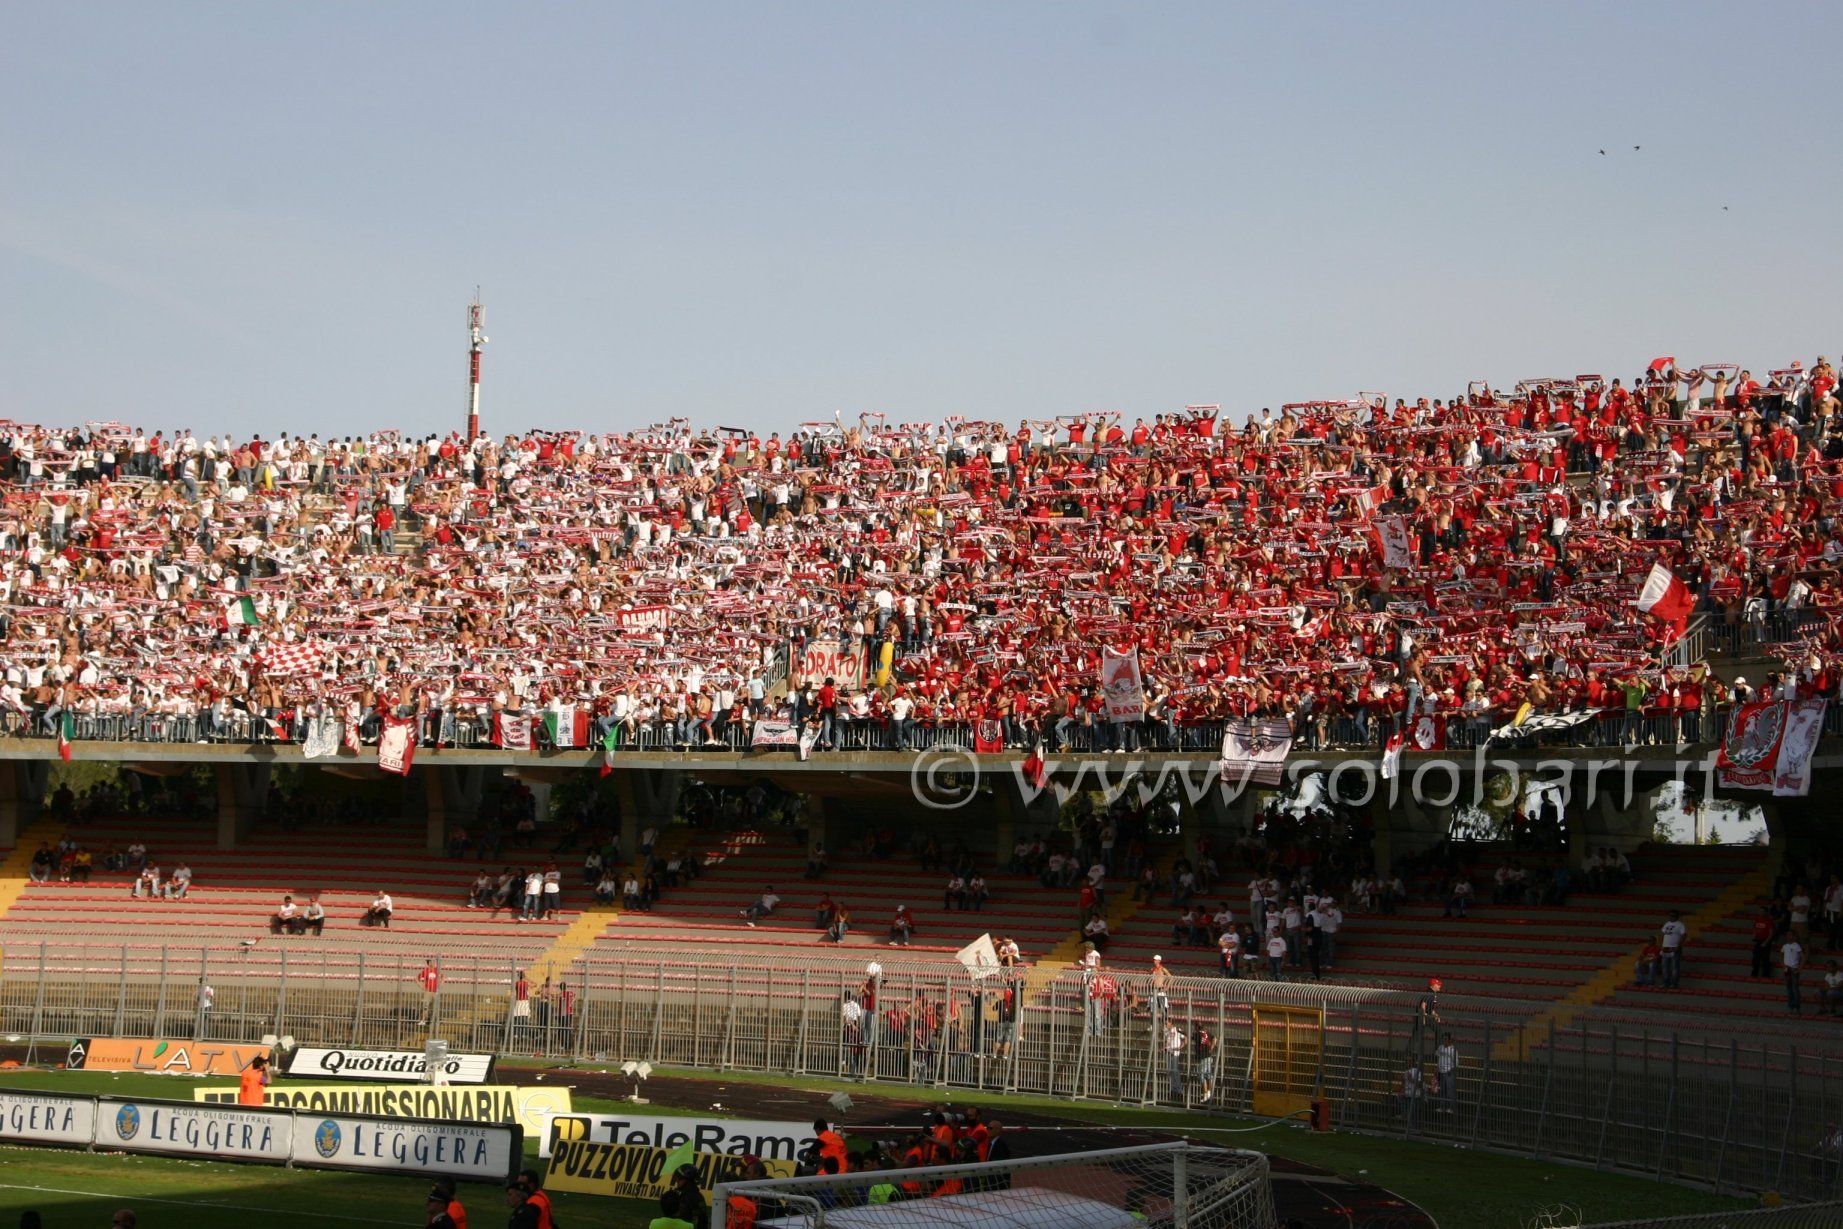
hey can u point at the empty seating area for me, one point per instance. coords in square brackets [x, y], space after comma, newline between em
[1510, 960]
[235, 892]
[738, 868]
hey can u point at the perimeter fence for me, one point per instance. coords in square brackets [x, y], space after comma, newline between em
[1675, 1105]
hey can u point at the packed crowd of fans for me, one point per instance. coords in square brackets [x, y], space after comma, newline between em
[658, 579]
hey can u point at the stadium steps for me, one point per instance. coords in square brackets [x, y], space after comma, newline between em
[236, 891]
[16, 870]
[737, 866]
[1602, 984]
[1515, 956]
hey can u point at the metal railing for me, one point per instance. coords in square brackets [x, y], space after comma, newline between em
[1673, 1105]
[1755, 630]
[1352, 731]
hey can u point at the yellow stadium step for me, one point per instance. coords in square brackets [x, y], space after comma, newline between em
[576, 939]
[15, 871]
[1750, 887]
[1119, 910]
[580, 935]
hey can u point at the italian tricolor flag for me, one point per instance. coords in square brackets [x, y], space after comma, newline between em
[64, 728]
[240, 613]
[567, 726]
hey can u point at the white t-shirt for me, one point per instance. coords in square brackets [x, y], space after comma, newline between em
[1793, 955]
[1673, 932]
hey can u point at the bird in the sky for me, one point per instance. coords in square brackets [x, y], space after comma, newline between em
[1724, 209]
[1602, 153]
[1637, 147]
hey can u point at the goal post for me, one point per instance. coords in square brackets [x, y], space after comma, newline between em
[1163, 1186]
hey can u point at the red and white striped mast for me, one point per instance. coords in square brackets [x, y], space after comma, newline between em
[476, 338]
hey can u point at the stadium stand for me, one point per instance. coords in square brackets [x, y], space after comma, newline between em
[1344, 564]
[744, 865]
[235, 893]
[1343, 568]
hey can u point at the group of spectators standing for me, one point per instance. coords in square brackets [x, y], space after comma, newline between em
[1348, 565]
[1787, 930]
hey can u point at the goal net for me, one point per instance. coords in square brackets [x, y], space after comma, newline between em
[1164, 1186]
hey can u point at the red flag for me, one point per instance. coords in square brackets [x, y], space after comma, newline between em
[1429, 733]
[1667, 598]
[1034, 770]
[988, 737]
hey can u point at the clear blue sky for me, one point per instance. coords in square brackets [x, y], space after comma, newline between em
[265, 216]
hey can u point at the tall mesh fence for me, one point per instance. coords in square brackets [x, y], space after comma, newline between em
[1729, 1114]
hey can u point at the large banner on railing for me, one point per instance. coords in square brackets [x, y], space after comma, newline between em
[161, 1057]
[768, 733]
[1255, 750]
[389, 1066]
[1804, 725]
[531, 1108]
[737, 1136]
[1121, 685]
[831, 659]
[1770, 745]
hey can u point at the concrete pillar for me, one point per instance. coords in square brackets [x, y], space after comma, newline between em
[1210, 813]
[23, 785]
[1580, 844]
[243, 791]
[1382, 835]
[1005, 806]
[817, 830]
[1610, 822]
[452, 795]
[649, 798]
[1019, 811]
[10, 820]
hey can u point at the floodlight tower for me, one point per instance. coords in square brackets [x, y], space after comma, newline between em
[476, 340]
